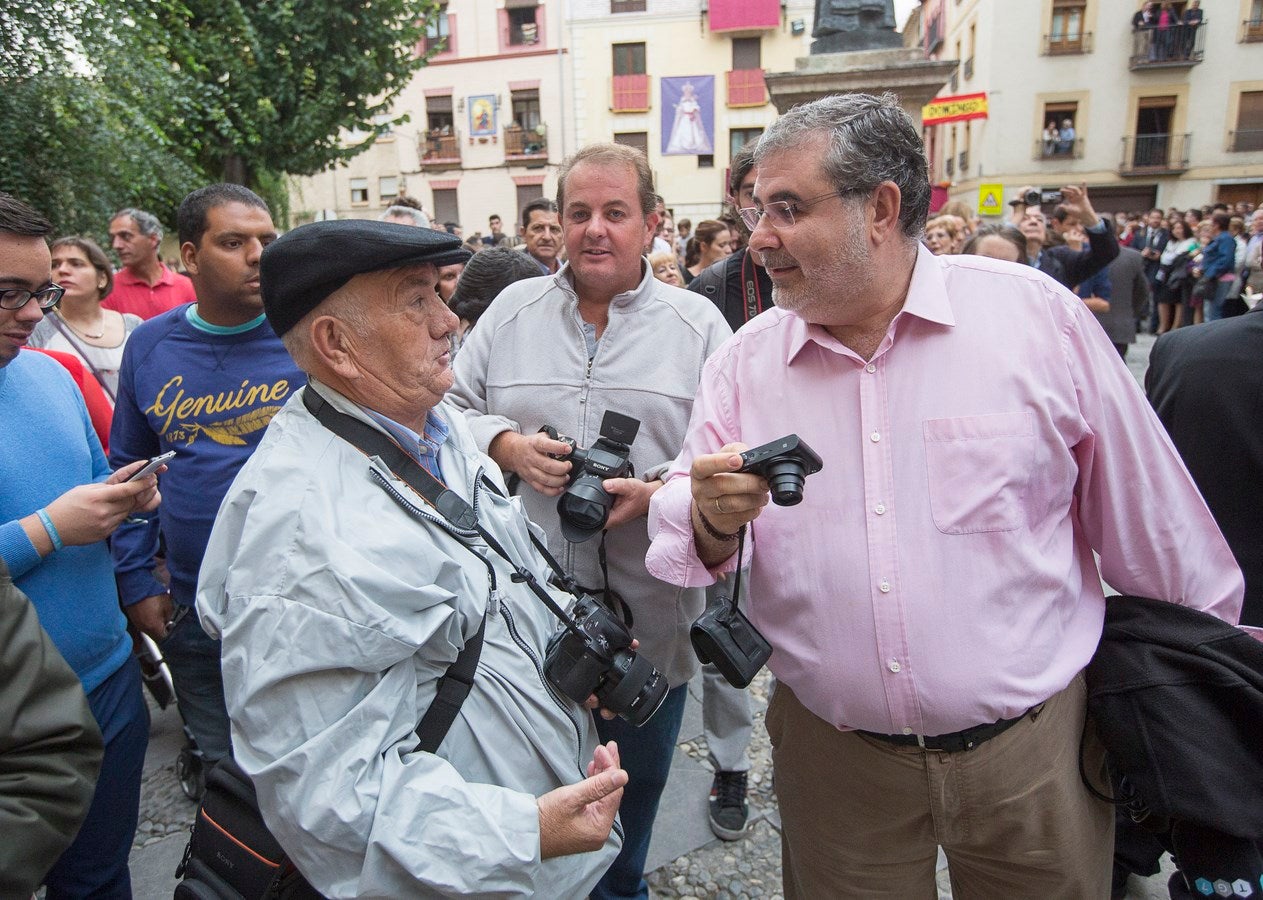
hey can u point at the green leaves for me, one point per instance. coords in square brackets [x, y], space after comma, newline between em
[135, 102]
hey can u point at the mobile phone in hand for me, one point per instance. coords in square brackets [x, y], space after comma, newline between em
[153, 465]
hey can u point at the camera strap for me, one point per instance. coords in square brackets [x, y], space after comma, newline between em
[449, 504]
[736, 580]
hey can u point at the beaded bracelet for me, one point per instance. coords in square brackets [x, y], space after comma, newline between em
[50, 528]
[712, 530]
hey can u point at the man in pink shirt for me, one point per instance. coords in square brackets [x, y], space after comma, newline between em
[144, 286]
[934, 599]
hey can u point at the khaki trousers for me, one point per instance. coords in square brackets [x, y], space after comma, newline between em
[863, 818]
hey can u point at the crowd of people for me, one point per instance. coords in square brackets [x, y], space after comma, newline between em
[1200, 264]
[361, 529]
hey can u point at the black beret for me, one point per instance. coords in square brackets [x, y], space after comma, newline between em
[304, 266]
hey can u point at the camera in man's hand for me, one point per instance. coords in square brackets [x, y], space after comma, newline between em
[584, 507]
[599, 660]
[1035, 197]
[785, 463]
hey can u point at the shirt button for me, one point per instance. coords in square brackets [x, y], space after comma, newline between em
[875, 437]
[894, 666]
[884, 587]
[880, 509]
[907, 729]
[870, 368]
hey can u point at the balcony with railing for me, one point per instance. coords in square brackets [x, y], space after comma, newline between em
[1155, 154]
[963, 162]
[949, 165]
[526, 145]
[1059, 149]
[1174, 47]
[1067, 44]
[1252, 30]
[1245, 139]
[969, 68]
[439, 149]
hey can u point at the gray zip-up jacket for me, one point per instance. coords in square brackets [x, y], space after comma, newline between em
[341, 597]
[526, 365]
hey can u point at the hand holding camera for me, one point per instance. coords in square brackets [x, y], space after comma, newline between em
[537, 459]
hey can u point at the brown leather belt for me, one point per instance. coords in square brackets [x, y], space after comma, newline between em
[957, 741]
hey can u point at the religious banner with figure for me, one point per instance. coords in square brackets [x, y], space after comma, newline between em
[688, 115]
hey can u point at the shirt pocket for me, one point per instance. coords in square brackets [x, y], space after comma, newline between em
[978, 469]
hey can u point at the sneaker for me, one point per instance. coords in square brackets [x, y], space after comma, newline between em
[729, 813]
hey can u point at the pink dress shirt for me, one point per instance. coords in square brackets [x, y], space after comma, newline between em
[134, 295]
[939, 573]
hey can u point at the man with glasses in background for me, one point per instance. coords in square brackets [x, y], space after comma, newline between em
[933, 600]
[58, 505]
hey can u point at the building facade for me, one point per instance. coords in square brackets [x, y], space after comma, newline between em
[1148, 116]
[517, 85]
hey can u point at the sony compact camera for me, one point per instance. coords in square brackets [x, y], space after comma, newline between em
[593, 655]
[723, 635]
[585, 506]
[1035, 197]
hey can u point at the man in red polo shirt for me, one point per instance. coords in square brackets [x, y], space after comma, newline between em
[144, 286]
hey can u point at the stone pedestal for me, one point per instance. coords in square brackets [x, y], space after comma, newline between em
[903, 70]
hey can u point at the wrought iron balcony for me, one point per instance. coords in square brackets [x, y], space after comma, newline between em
[439, 149]
[1155, 154]
[1252, 30]
[1067, 44]
[1059, 149]
[1177, 46]
[1245, 139]
[526, 144]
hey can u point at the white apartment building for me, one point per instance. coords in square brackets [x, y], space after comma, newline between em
[519, 84]
[1170, 117]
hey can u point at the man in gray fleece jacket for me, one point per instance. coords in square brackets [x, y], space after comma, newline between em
[601, 334]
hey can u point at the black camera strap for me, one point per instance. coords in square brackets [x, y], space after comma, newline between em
[736, 580]
[450, 505]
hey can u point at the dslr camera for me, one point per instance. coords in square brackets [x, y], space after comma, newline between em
[584, 508]
[723, 635]
[1035, 197]
[593, 655]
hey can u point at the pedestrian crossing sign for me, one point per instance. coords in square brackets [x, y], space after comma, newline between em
[990, 199]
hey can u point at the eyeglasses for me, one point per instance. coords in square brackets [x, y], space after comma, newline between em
[47, 298]
[781, 212]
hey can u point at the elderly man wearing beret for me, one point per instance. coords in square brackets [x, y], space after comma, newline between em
[342, 596]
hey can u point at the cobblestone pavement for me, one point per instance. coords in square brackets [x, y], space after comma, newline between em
[750, 868]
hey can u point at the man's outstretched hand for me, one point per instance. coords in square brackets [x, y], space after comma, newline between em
[577, 818]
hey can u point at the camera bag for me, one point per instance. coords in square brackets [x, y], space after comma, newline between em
[724, 637]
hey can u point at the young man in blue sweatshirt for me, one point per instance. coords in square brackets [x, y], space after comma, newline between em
[58, 504]
[204, 380]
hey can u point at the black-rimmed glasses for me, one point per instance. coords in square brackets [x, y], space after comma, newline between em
[781, 212]
[47, 298]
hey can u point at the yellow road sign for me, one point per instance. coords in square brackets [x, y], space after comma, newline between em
[990, 199]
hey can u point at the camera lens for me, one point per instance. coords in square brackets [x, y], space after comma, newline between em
[584, 508]
[633, 688]
[785, 477]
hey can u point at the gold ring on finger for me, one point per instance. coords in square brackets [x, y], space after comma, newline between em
[718, 507]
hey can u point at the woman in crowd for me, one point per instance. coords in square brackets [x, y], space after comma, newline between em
[966, 221]
[998, 242]
[665, 269]
[942, 234]
[710, 243]
[485, 275]
[79, 324]
[1173, 280]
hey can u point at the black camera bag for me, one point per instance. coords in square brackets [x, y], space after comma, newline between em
[724, 637]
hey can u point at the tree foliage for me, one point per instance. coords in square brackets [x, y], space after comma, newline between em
[106, 103]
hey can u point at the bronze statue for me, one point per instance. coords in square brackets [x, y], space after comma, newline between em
[843, 25]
